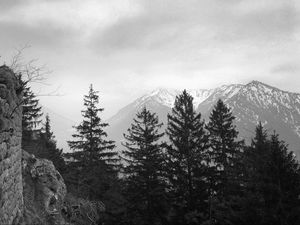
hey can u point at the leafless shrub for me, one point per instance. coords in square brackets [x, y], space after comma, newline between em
[28, 70]
[82, 212]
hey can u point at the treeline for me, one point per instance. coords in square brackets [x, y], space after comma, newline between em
[37, 136]
[204, 174]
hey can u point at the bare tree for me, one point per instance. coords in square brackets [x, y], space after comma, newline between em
[28, 70]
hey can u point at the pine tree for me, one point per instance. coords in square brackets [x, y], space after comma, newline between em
[256, 159]
[47, 129]
[272, 186]
[225, 156]
[31, 118]
[47, 147]
[93, 159]
[144, 173]
[187, 155]
[282, 196]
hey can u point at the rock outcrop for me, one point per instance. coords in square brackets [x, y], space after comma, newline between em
[44, 191]
[31, 190]
[11, 199]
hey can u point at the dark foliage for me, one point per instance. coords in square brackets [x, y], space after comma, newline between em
[31, 119]
[187, 162]
[224, 156]
[145, 189]
[92, 166]
[204, 175]
[47, 148]
[273, 182]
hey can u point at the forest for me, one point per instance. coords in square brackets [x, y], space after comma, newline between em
[203, 174]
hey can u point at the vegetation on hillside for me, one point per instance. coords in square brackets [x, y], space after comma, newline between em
[204, 174]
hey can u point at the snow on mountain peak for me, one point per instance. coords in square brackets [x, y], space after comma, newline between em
[278, 110]
[256, 91]
[200, 95]
[161, 95]
[167, 97]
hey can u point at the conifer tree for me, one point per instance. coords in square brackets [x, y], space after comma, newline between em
[93, 159]
[47, 129]
[47, 147]
[282, 195]
[187, 155]
[144, 173]
[225, 156]
[31, 115]
[272, 182]
[256, 159]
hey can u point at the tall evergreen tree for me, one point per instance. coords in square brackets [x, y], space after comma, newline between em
[47, 147]
[256, 159]
[187, 156]
[144, 173]
[272, 182]
[31, 118]
[225, 156]
[282, 198]
[93, 159]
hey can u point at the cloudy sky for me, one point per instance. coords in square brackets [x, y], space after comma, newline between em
[128, 47]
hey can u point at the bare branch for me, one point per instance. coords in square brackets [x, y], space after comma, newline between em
[51, 94]
[28, 71]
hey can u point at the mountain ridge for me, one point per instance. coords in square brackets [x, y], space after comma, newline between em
[252, 102]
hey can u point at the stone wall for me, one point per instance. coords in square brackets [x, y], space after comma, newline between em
[11, 197]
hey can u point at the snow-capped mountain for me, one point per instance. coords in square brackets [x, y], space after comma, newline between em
[276, 109]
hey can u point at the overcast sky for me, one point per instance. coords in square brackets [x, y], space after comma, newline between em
[128, 47]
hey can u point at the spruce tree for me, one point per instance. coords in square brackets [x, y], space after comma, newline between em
[31, 118]
[187, 156]
[47, 129]
[94, 159]
[144, 173]
[283, 189]
[256, 159]
[225, 156]
[47, 147]
[272, 182]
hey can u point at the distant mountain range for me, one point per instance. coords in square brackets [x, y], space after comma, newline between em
[276, 109]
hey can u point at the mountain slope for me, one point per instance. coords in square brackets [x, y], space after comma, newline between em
[276, 109]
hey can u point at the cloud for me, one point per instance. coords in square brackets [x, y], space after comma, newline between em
[74, 14]
[166, 22]
[202, 42]
[10, 4]
[44, 36]
[286, 68]
[125, 45]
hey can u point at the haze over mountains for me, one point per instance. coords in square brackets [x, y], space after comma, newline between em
[277, 109]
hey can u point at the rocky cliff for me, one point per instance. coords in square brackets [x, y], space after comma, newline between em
[11, 188]
[43, 190]
[31, 190]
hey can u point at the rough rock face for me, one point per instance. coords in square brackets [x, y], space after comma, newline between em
[11, 199]
[44, 191]
[31, 190]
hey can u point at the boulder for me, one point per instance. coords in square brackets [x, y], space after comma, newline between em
[44, 191]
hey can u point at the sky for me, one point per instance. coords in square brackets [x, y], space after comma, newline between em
[128, 47]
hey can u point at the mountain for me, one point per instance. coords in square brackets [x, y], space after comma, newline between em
[276, 109]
